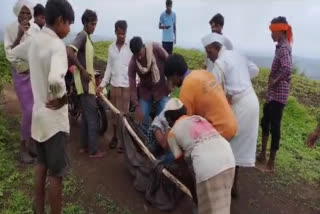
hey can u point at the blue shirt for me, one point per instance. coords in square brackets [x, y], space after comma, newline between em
[168, 20]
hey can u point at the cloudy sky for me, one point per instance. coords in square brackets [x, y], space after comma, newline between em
[246, 21]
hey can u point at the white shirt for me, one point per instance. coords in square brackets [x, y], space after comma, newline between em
[195, 137]
[227, 44]
[10, 36]
[117, 67]
[234, 72]
[48, 66]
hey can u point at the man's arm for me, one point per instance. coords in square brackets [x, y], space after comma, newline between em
[161, 25]
[107, 73]
[72, 49]
[132, 82]
[186, 96]
[162, 53]
[162, 138]
[174, 146]
[58, 70]
[285, 64]
[253, 69]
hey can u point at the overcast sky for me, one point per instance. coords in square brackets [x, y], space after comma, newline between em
[246, 21]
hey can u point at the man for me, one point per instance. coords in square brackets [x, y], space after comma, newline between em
[168, 26]
[234, 72]
[148, 62]
[216, 24]
[50, 123]
[81, 54]
[119, 57]
[16, 43]
[202, 95]
[212, 161]
[39, 15]
[278, 89]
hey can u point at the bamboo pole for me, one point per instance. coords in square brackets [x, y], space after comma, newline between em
[145, 149]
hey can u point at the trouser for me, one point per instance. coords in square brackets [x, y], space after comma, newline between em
[145, 106]
[90, 122]
[168, 46]
[271, 122]
[120, 98]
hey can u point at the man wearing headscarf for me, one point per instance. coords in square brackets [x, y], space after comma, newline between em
[16, 36]
[234, 72]
[278, 89]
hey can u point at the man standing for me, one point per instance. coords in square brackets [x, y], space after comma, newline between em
[278, 89]
[216, 24]
[202, 95]
[16, 43]
[50, 122]
[81, 54]
[148, 62]
[234, 72]
[168, 26]
[39, 15]
[119, 57]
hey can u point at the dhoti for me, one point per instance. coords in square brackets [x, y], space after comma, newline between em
[23, 89]
[246, 109]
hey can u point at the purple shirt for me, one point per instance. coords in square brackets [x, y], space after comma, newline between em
[282, 69]
[147, 89]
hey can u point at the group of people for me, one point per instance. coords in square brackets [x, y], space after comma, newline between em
[213, 124]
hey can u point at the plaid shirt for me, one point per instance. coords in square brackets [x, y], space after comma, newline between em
[281, 73]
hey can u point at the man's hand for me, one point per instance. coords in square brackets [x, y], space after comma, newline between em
[85, 76]
[312, 138]
[99, 90]
[58, 103]
[23, 27]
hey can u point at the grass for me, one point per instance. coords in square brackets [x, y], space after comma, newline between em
[14, 194]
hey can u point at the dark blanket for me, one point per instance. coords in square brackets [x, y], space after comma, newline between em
[159, 191]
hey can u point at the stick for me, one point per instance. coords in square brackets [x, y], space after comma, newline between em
[146, 150]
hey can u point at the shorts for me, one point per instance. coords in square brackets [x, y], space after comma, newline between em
[53, 154]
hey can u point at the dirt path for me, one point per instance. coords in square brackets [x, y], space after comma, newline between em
[110, 178]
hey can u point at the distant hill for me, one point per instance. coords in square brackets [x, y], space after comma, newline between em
[307, 66]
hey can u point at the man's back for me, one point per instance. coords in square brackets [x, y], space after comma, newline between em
[48, 66]
[203, 95]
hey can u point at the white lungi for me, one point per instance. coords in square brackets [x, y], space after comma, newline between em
[246, 109]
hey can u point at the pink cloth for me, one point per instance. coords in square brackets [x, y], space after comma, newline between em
[23, 89]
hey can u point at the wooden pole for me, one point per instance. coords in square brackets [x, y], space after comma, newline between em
[145, 149]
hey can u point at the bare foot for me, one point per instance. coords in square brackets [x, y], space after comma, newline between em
[97, 155]
[269, 168]
[261, 158]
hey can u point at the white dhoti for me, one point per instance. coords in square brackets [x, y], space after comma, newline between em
[246, 109]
